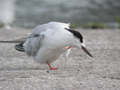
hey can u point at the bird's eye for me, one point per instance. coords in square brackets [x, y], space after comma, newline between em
[66, 28]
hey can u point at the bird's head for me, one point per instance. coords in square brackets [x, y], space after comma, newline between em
[79, 41]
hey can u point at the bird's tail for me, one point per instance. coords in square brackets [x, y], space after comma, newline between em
[20, 47]
[14, 41]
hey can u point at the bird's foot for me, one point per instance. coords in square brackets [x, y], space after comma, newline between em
[52, 68]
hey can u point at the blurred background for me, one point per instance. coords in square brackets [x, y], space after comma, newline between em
[81, 13]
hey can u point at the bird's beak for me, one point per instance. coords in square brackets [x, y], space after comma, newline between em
[86, 51]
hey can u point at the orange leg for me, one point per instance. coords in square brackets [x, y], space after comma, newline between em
[51, 68]
[68, 47]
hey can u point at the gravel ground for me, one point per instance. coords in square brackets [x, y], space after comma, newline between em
[79, 72]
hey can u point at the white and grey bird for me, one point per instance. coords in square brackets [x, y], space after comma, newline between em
[48, 41]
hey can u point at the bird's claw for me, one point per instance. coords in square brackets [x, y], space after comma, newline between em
[52, 68]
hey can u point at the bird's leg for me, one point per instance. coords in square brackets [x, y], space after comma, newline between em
[68, 47]
[51, 68]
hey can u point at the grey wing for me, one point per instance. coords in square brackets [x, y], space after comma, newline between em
[33, 44]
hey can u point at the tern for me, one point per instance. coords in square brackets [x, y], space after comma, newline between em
[48, 41]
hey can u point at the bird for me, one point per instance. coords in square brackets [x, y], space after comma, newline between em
[48, 41]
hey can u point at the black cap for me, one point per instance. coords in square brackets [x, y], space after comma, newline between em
[76, 34]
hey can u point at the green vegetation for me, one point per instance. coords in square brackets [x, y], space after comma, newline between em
[74, 26]
[89, 25]
[117, 19]
[1, 25]
[93, 25]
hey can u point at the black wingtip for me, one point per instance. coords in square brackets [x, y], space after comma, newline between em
[19, 47]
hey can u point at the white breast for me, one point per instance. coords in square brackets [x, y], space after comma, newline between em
[47, 55]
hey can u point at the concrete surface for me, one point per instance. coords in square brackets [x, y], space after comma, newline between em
[80, 72]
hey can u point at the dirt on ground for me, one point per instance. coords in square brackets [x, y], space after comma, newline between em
[78, 72]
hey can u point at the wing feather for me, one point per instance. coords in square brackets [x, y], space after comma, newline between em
[33, 44]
